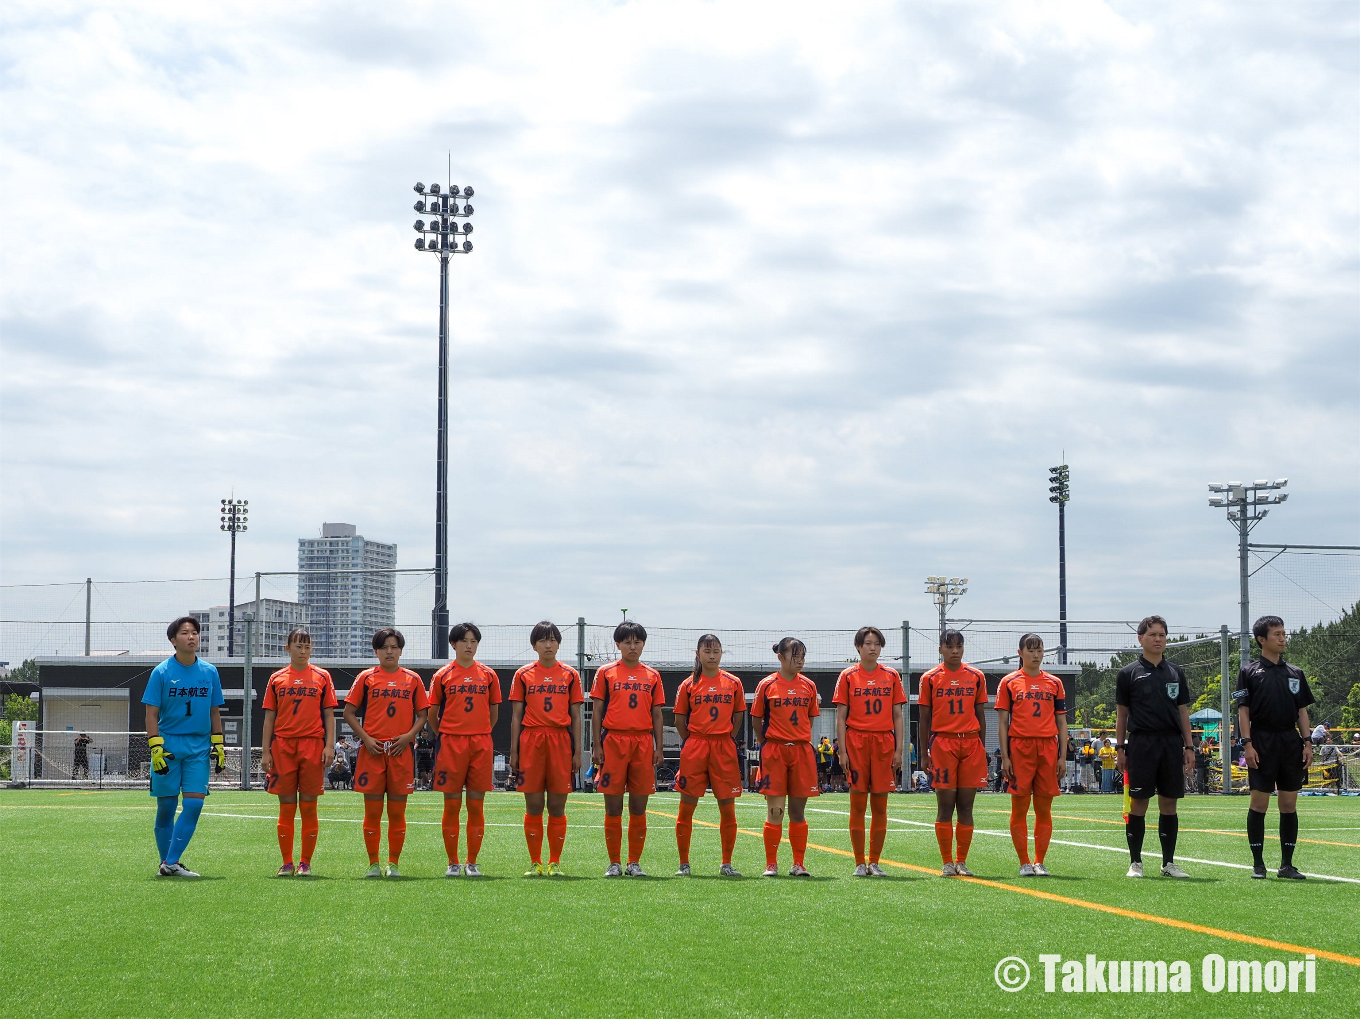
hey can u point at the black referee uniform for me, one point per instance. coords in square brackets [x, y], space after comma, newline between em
[1154, 745]
[1274, 693]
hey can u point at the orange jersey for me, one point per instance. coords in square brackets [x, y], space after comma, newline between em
[298, 700]
[547, 694]
[711, 703]
[628, 695]
[1033, 701]
[464, 698]
[869, 697]
[952, 698]
[387, 702]
[787, 707]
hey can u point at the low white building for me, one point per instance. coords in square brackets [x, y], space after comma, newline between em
[275, 618]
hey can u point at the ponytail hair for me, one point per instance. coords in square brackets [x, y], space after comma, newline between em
[708, 638]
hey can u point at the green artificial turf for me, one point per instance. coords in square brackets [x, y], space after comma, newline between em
[88, 930]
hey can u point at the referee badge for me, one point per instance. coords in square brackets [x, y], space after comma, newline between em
[1173, 690]
[1293, 684]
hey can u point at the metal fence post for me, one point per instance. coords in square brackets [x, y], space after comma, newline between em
[910, 734]
[87, 617]
[248, 688]
[581, 668]
[1225, 705]
[259, 614]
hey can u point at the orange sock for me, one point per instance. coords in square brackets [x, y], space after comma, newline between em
[613, 836]
[557, 837]
[637, 836]
[286, 811]
[878, 825]
[310, 827]
[858, 803]
[372, 827]
[773, 834]
[684, 828]
[944, 835]
[449, 825]
[476, 828]
[1020, 827]
[533, 836]
[727, 829]
[1043, 826]
[798, 839]
[965, 839]
[396, 828]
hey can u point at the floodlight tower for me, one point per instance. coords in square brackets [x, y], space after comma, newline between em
[1058, 477]
[946, 591]
[1245, 505]
[234, 515]
[440, 235]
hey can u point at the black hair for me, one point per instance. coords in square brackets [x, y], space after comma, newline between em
[544, 630]
[1262, 627]
[627, 629]
[298, 633]
[1027, 640]
[863, 634]
[788, 645]
[460, 630]
[708, 638]
[1148, 622]
[951, 637]
[172, 631]
[381, 637]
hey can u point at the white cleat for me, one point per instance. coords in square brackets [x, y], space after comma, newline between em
[949, 870]
[876, 871]
[1041, 871]
[454, 871]
[961, 871]
[771, 871]
[634, 870]
[176, 870]
[471, 870]
[1135, 869]
[727, 870]
[1171, 870]
[1027, 870]
[614, 871]
[862, 870]
[798, 870]
[683, 871]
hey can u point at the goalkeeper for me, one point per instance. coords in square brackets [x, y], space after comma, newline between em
[184, 732]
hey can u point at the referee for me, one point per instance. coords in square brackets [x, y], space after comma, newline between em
[1272, 699]
[1152, 706]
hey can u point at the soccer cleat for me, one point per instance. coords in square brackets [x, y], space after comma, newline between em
[876, 871]
[177, 870]
[771, 871]
[634, 870]
[948, 870]
[392, 870]
[374, 870]
[1258, 871]
[614, 871]
[454, 871]
[555, 870]
[1027, 870]
[798, 870]
[471, 870]
[164, 870]
[303, 870]
[727, 870]
[1041, 871]
[1135, 869]
[961, 871]
[1171, 870]
[861, 870]
[286, 871]
[1290, 873]
[683, 871]
[535, 870]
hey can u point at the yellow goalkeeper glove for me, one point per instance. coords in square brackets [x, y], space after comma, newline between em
[219, 752]
[159, 755]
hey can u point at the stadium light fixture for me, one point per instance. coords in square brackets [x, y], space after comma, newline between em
[439, 234]
[235, 514]
[945, 592]
[1247, 506]
[1061, 494]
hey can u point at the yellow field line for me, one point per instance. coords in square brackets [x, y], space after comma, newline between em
[1165, 921]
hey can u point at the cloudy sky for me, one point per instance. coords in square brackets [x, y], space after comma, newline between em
[774, 309]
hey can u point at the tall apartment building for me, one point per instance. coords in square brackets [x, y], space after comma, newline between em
[274, 619]
[345, 608]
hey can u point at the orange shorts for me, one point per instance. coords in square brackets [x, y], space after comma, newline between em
[871, 759]
[957, 761]
[383, 773]
[788, 769]
[544, 760]
[463, 761]
[1035, 762]
[297, 766]
[627, 764]
[709, 761]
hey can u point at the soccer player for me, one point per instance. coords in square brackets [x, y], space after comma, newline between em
[786, 702]
[465, 702]
[545, 744]
[1032, 710]
[869, 699]
[1272, 698]
[299, 745]
[1152, 705]
[953, 696]
[184, 729]
[393, 705]
[710, 707]
[625, 739]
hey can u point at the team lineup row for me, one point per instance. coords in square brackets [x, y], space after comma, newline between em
[388, 706]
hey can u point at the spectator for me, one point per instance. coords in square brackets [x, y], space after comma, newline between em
[1087, 775]
[997, 776]
[1109, 765]
[1321, 732]
[82, 758]
[424, 759]
[825, 752]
